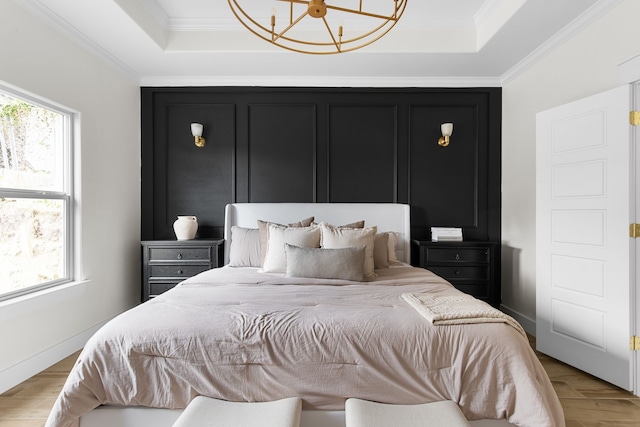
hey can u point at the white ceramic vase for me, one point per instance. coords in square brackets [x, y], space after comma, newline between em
[185, 227]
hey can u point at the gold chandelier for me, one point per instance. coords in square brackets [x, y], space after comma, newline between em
[315, 27]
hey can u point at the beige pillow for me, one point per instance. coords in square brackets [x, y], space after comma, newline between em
[244, 248]
[344, 263]
[263, 227]
[275, 260]
[357, 224]
[381, 251]
[335, 237]
[393, 245]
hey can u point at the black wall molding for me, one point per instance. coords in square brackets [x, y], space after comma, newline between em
[322, 145]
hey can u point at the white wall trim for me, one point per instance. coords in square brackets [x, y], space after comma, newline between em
[320, 81]
[27, 368]
[527, 323]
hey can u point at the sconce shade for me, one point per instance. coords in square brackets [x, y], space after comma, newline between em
[447, 130]
[196, 131]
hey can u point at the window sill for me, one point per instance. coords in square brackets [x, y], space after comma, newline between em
[42, 299]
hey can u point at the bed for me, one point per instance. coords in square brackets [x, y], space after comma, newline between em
[249, 333]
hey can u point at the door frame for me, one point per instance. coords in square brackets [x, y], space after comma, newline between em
[629, 72]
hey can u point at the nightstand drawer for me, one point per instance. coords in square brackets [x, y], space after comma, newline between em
[460, 272]
[179, 254]
[156, 288]
[475, 255]
[178, 270]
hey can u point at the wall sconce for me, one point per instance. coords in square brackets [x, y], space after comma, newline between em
[196, 131]
[447, 130]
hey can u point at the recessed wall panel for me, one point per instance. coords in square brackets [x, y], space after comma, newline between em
[454, 172]
[282, 153]
[193, 180]
[362, 153]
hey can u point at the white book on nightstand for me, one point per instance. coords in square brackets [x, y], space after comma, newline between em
[446, 234]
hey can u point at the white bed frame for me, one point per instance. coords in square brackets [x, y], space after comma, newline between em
[386, 216]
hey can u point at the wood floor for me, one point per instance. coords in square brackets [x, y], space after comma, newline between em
[587, 401]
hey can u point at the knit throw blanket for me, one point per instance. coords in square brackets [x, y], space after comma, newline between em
[458, 309]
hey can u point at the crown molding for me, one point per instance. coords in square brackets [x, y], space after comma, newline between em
[38, 9]
[594, 13]
[319, 81]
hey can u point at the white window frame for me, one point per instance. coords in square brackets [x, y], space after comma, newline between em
[67, 196]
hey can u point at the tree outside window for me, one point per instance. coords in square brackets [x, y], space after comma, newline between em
[35, 196]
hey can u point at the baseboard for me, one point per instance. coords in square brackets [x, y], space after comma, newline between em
[24, 370]
[527, 323]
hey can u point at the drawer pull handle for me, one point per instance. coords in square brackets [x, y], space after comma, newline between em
[457, 272]
[179, 271]
[457, 257]
[179, 256]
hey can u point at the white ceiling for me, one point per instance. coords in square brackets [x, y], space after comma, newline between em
[435, 43]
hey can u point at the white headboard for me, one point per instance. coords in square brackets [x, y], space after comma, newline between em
[387, 216]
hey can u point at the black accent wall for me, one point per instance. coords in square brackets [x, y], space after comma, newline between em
[322, 145]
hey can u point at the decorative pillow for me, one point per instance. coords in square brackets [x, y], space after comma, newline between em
[393, 244]
[381, 251]
[244, 248]
[357, 224]
[263, 226]
[334, 237]
[344, 263]
[275, 260]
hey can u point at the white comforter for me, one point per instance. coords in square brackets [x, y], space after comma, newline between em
[241, 335]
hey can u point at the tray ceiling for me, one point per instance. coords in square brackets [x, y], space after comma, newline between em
[436, 42]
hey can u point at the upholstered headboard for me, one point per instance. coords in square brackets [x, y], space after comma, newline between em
[386, 216]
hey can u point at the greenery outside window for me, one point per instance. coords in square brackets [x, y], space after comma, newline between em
[36, 197]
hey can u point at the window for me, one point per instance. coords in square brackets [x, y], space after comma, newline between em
[36, 195]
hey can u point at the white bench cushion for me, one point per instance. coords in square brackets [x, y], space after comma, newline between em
[363, 413]
[207, 412]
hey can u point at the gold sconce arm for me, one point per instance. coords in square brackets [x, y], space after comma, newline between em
[447, 130]
[196, 131]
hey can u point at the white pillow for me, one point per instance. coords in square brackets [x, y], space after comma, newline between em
[263, 227]
[275, 259]
[334, 238]
[244, 248]
[344, 263]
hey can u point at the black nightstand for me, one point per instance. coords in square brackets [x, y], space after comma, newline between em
[165, 263]
[469, 266]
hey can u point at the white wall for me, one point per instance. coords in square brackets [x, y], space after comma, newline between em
[40, 330]
[583, 66]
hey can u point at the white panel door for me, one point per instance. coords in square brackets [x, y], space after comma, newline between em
[584, 207]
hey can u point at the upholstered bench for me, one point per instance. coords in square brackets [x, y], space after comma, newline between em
[363, 413]
[208, 412]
